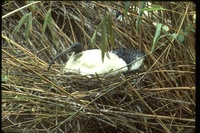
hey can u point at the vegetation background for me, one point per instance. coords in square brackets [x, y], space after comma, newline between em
[160, 97]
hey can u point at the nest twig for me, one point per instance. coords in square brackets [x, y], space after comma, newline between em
[160, 97]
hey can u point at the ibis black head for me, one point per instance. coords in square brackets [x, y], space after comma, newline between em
[76, 47]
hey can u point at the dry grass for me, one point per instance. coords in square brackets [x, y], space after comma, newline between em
[160, 97]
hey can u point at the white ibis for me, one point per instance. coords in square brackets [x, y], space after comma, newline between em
[90, 62]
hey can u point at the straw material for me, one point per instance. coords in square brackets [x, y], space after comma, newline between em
[159, 97]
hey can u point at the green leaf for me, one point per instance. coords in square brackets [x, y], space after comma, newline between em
[126, 7]
[157, 34]
[140, 15]
[173, 36]
[50, 25]
[153, 8]
[189, 28]
[46, 20]
[111, 33]
[93, 39]
[180, 38]
[32, 7]
[21, 21]
[28, 26]
[103, 42]
[5, 78]
[142, 6]
[165, 28]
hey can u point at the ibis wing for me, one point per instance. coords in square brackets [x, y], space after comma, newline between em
[90, 62]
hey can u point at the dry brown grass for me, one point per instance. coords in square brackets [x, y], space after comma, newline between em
[160, 97]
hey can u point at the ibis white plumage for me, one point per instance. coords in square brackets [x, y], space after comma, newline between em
[90, 62]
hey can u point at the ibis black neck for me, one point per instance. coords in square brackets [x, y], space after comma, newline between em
[76, 47]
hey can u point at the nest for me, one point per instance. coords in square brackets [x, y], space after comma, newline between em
[159, 97]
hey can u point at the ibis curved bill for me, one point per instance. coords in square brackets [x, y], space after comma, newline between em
[90, 62]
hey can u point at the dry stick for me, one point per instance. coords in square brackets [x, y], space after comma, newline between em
[162, 124]
[157, 118]
[8, 14]
[128, 114]
[82, 23]
[152, 65]
[81, 108]
[186, 11]
[72, 31]
[171, 88]
[159, 121]
[24, 50]
[37, 74]
[60, 89]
